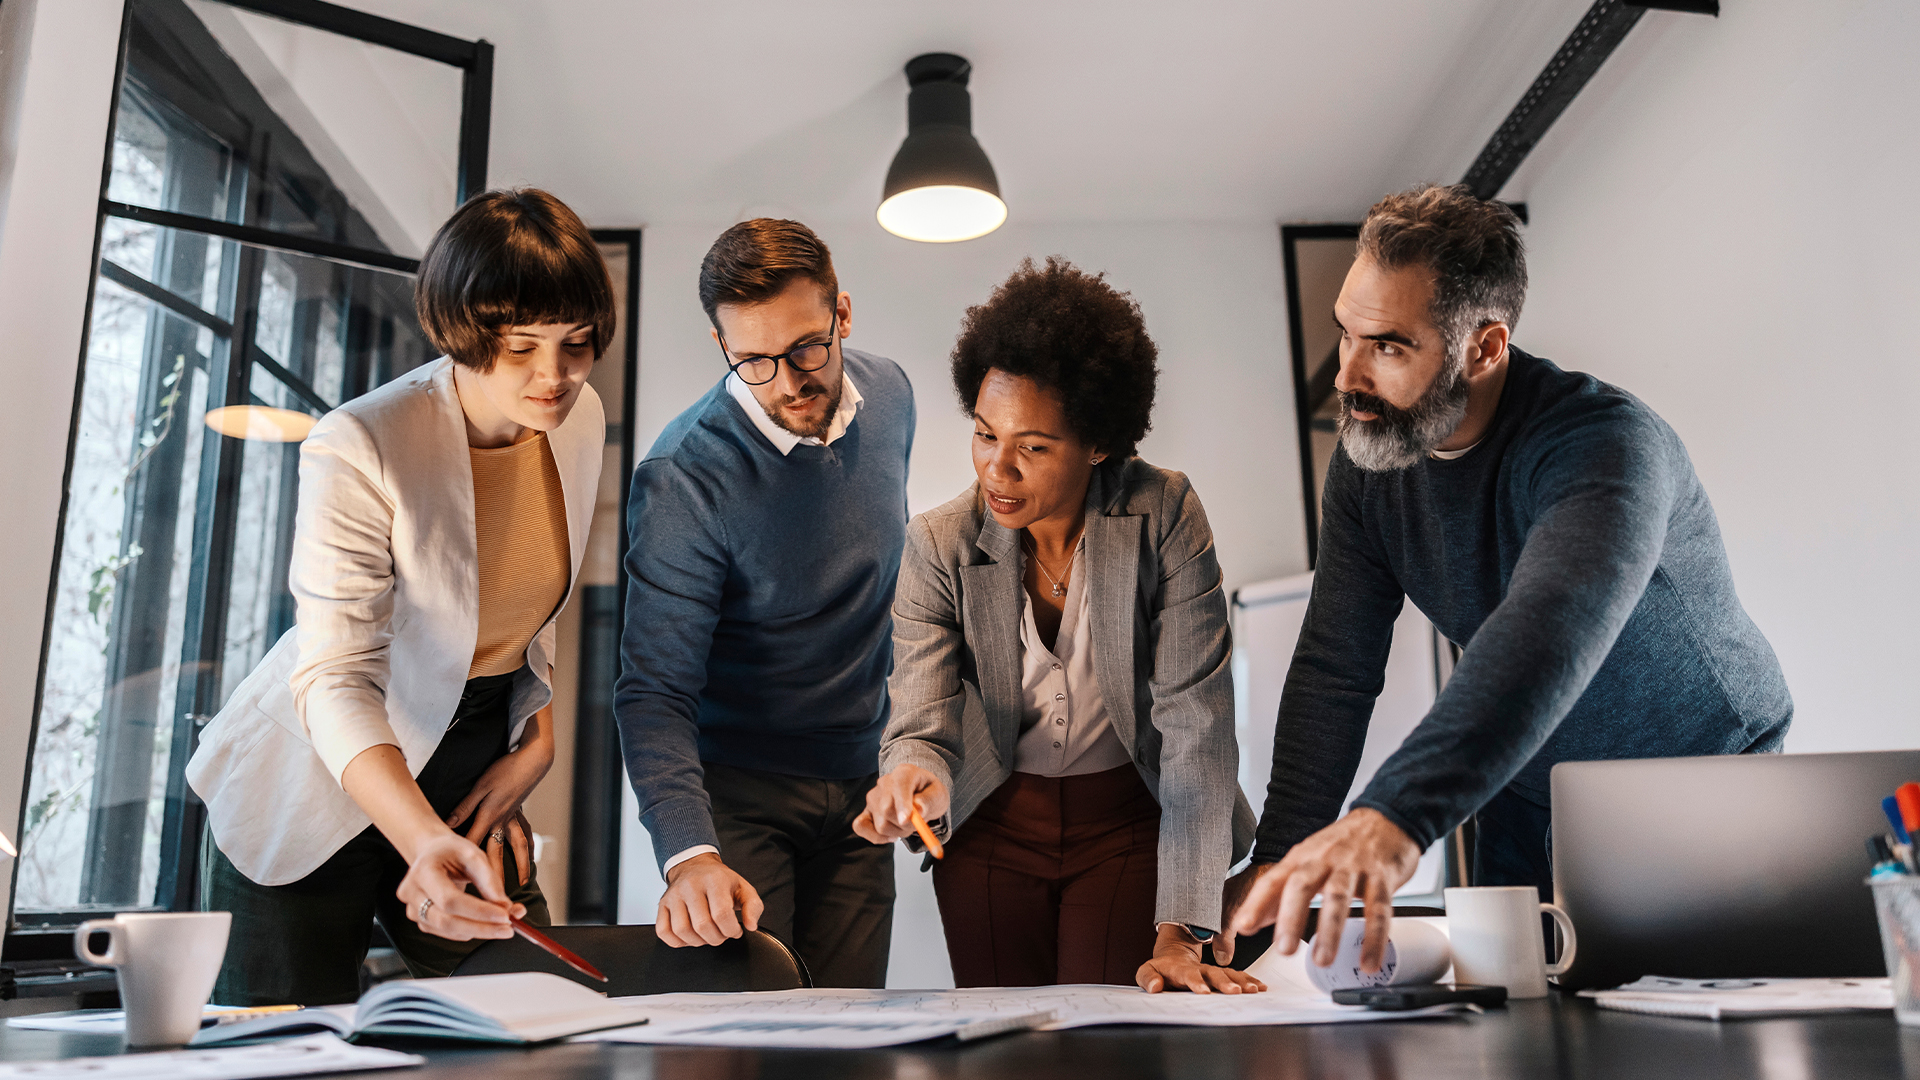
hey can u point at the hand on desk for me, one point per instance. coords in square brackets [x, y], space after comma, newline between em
[1363, 855]
[442, 868]
[892, 798]
[701, 898]
[1176, 966]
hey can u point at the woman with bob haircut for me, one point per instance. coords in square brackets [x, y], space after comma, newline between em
[375, 762]
[1062, 701]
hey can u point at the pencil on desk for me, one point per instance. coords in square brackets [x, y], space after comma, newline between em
[234, 1016]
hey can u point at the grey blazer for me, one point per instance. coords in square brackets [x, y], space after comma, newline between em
[1161, 653]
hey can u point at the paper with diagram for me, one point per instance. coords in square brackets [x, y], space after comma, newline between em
[855, 1018]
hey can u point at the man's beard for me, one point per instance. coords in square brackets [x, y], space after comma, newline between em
[776, 410]
[1398, 438]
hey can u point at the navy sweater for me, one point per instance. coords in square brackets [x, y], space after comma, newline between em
[1575, 558]
[760, 587]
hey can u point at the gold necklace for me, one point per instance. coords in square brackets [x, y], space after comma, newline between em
[1059, 587]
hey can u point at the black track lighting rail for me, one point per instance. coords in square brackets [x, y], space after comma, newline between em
[1594, 38]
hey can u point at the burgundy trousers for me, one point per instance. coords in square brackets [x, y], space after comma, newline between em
[1052, 881]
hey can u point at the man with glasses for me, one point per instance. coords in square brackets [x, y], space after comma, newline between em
[767, 524]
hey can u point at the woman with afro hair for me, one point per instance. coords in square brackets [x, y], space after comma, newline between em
[1062, 701]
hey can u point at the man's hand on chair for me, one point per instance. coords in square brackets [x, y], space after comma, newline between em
[700, 904]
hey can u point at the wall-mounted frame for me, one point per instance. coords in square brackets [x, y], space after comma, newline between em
[593, 864]
[1316, 258]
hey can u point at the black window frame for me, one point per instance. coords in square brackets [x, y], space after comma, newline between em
[218, 490]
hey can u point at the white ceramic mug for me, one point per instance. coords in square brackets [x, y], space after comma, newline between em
[1496, 938]
[167, 962]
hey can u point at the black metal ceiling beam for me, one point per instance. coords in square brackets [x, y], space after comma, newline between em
[1598, 33]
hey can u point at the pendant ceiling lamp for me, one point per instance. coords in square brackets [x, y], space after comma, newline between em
[941, 187]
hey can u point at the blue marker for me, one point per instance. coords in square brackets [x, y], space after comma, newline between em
[1891, 806]
[1885, 864]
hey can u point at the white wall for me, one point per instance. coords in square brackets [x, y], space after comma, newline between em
[1214, 302]
[1725, 224]
[56, 84]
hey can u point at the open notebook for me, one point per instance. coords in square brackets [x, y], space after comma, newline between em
[522, 1007]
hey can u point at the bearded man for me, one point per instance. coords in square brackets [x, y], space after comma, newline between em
[1548, 523]
[766, 529]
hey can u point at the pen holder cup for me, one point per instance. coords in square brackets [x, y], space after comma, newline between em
[1897, 899]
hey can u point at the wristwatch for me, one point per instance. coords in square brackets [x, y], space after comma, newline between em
[1201, 935]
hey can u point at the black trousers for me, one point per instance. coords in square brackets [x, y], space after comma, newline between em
[302, 943]
[829, 894]
[1512, 845]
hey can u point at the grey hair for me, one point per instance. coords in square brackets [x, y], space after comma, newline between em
[1472, 245]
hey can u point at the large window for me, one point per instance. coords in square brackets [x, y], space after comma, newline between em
[277, 166]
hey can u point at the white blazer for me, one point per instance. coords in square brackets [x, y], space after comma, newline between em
[385, 579]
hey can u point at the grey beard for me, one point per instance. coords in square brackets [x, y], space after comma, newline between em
[1399, 438]
[818, 431]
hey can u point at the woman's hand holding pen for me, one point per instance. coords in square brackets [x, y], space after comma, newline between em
[893, 799]
[435, 891]
[491, 810]
[440, 862]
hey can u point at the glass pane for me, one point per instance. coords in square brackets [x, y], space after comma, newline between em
[121, 674]
[378, 129]
[340, 330]
[102, 757]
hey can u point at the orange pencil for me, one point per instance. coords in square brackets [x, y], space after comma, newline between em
[926, 834]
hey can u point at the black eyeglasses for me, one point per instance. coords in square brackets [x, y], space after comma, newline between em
[756, 370]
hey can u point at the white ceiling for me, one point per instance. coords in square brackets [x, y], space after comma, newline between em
[1127, 110]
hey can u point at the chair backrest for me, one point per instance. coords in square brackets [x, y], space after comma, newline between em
[635, 962]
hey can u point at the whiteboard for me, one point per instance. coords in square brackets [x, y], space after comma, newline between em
[1266, 626]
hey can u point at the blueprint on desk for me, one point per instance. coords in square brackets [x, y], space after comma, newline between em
[866, 1018]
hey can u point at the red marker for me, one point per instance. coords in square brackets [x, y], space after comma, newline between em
[1908, 796]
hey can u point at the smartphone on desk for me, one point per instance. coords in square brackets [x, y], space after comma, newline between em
[1420, 996]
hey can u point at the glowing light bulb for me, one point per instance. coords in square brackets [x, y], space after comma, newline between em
[942, 213]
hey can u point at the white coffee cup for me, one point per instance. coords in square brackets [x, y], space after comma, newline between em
[167, 962]
[1416, 953]
[1496, 938]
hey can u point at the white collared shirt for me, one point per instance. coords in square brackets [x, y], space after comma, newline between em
[784, 440]
[1063, 714]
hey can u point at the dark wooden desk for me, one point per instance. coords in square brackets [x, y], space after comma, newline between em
[1534, 1040]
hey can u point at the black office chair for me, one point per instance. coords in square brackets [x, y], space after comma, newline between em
[635, 962]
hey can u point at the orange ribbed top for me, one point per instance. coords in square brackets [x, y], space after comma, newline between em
[520, 526]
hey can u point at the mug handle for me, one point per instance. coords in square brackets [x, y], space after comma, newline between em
[1566, 931]
[110, 927]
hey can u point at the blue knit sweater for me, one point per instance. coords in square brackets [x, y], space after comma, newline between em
[760, 590]
[1574, 556]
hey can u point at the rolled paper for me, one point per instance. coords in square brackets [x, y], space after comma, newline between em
[1416, 953]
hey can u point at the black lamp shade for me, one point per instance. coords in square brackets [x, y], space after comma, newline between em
[941, 187]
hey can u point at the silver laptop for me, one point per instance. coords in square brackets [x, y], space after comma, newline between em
[1721, 867]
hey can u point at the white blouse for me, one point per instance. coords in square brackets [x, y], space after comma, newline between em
[1064, 729]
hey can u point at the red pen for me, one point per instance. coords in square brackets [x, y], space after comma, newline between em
[561, 952]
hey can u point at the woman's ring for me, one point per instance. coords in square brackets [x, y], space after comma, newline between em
[424, 906]
[499, 836]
